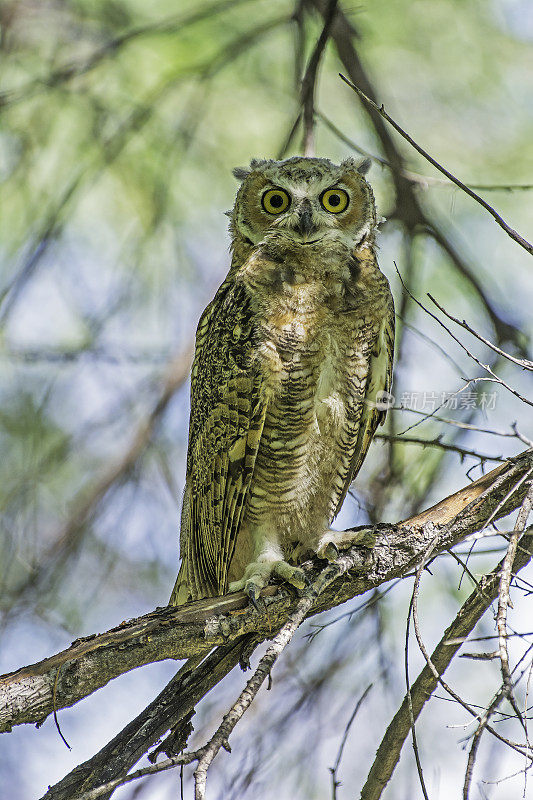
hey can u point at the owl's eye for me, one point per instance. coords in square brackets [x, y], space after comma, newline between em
[275, 201]
[334, 200]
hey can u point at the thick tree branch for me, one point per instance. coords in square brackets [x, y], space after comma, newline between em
[172, 709]
[309, 81]
[27, 695]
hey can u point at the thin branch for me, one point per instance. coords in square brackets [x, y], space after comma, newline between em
[465, 425]
[465, 621]
[494, 214]
[521, 362]
[415, 177]
[486, 367]
[436, 442]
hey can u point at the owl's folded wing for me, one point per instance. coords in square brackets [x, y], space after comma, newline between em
[374, 411]
[227, 417]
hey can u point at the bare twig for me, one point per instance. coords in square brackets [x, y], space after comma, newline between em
[436, 442]
[521, 362]
[334, 769]
[466, 425]
[470, 613]
[486, 367]
[494, 214]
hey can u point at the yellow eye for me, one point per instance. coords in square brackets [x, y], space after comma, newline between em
[275, 201]
[334, 200]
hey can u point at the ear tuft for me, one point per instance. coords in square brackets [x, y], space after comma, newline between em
[364, 166]
[258, 162]
[240, 173]
[360, 166]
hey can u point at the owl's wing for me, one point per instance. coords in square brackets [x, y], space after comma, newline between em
[227, 416]
[379, 379]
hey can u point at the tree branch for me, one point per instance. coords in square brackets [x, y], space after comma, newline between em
[470, 613]
[408, 208]
[27, 695]
[494, 214]
[309, 80]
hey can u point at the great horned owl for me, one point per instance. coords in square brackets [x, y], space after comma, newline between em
[291, 358]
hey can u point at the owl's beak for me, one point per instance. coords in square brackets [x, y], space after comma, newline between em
[305, 225]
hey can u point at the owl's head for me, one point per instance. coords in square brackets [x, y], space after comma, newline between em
[304, 200]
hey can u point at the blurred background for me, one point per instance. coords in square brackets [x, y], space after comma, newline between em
[120, 122]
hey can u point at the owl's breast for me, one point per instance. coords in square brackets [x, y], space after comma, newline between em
[315, 367]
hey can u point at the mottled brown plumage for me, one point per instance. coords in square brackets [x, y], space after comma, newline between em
[292, 356]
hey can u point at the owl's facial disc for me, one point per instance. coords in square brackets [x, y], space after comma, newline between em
[301, 215]
[304, 201]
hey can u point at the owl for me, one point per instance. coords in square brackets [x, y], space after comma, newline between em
[293, 356]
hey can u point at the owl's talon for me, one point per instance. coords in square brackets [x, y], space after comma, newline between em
[254, 595]
[333, 541]
[236, 586]
[293, 575]
[331, 552]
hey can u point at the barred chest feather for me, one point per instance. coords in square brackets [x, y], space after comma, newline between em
[314, 353]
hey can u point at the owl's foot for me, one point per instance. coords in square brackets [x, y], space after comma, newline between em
[258, 573]
[333, 541]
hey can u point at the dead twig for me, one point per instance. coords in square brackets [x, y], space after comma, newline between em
[504, 598]
[521, 362]
[486, 367]
[335, 783]
[494, 214]
[436, 442]
[422, 689]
